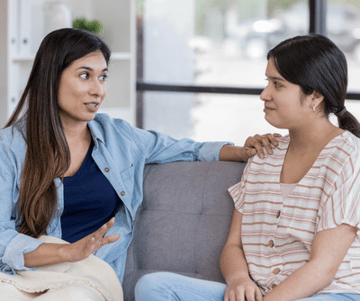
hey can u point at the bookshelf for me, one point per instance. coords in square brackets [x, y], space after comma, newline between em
[23, 26]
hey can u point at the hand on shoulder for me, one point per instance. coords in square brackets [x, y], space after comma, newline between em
[256, 145]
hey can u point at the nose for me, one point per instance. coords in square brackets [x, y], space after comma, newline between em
[98, 88]
[264, 96]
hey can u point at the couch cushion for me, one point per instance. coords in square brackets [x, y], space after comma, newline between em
[183, 222]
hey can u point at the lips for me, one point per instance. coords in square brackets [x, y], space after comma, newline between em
[92, 104]
[92, 107]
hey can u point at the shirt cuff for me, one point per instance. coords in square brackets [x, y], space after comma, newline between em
[210, 151]
[13, 259]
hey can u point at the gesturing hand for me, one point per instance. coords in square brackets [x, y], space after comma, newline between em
[243, 290]
[83, 248]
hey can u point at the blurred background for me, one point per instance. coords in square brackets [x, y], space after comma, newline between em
[189, 68]
[189, 49]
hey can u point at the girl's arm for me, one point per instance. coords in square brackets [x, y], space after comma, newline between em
[234, 266]
[328, 251]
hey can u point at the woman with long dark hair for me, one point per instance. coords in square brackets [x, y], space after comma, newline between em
[71, 174]
[295, 228]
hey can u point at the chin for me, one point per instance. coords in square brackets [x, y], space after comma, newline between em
[275, 124]
[89, 117]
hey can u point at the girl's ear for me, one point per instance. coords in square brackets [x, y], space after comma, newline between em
[315, 100]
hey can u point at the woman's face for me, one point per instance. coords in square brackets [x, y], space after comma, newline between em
[82, 89]
[286, 106]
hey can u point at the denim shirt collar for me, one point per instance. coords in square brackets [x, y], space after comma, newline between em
[96, 133]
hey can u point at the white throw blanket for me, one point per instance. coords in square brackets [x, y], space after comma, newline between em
[92, 272]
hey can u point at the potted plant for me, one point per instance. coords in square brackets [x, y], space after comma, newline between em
[94, 26]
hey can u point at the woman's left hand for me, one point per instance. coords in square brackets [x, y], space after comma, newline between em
[86, 246]
[256, 145]
[253, 145]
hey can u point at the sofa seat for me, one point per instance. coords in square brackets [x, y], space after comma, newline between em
[183, 222]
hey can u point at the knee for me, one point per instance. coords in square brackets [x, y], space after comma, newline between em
[74, 293]
[154, 286]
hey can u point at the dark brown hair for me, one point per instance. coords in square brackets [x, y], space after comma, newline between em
[315, 63]
[47, 155]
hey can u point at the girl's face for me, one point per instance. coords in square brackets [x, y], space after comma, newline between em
[286, 107]
[82, 89]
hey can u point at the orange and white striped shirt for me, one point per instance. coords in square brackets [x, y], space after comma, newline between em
[277, 233]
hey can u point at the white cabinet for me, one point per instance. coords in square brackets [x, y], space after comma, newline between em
[22, 27]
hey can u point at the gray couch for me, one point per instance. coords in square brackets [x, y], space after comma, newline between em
[183, 222]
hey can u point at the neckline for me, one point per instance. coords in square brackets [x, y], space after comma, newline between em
[312, 166]
[83, 165]
[288, 184]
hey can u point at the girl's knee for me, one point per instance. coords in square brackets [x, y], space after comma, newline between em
[153, 286]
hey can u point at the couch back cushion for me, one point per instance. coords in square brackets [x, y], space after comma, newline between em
[183, 222]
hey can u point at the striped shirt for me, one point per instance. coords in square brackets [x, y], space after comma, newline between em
[277, 233]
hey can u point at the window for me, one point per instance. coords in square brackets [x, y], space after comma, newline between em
[197, 46]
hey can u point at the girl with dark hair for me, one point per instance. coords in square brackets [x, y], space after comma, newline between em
[295, 228]
[69, 173]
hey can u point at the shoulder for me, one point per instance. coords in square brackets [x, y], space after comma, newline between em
[344, 146]
[12, 138]
[283, 142]
[342, 156]
[276, 158]
[12, 147]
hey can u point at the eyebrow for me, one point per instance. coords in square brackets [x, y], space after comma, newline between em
[90, 69]
[274, 78]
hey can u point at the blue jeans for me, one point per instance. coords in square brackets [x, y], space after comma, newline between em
[165, 286]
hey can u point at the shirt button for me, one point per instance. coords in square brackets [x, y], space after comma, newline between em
[276, 271]
[122, 193]
[271, 243]
[107, 169]
[278, 214]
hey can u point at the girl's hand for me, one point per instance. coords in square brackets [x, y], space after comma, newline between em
[243, 290]
[83, 248]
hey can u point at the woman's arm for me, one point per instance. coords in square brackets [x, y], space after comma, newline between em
[48, 254]
[234, 266]
[160, 148]
[328, 251]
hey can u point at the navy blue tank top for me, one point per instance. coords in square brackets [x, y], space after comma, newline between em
[89, 201]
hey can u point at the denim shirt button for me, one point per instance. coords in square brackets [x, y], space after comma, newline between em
[122, 193]
[107, 169]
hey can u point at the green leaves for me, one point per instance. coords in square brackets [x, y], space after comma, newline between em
[94, 26]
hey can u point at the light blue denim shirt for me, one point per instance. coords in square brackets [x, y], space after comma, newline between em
[121, 152]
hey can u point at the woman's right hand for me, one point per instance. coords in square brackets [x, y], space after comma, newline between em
[84, 247]
[243, 290]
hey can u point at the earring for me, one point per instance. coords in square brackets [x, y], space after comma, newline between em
[314, 108]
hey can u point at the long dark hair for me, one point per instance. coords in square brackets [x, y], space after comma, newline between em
[315, 63]
[47, 155]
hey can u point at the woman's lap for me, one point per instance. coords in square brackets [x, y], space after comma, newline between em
[67, 293]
